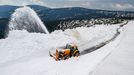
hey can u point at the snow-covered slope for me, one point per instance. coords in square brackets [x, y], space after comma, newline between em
[120, 62]
[24, 53]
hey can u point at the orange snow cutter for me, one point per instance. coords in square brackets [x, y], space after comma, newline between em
[67, 53]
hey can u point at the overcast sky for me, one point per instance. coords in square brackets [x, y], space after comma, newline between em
[92, 4]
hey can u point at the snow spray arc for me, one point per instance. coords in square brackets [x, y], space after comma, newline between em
[27, 19]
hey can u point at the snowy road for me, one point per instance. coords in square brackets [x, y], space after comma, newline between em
[120, 62]
[91, 49]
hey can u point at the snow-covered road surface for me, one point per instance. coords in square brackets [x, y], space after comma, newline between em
[121, 60]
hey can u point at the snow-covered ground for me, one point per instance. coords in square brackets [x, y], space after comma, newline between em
[24, 53]
[121, 61]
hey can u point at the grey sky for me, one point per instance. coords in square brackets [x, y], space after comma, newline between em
[92, 4]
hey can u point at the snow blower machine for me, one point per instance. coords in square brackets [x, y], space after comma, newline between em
[71, 50]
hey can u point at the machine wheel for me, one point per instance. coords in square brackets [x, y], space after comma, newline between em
[66, 57]
[77, 54]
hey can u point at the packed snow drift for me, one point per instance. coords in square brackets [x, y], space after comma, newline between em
[24, 53]
[120, 61]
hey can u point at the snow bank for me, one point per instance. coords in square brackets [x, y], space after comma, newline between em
[24, 53]
[23, 43]
[120, 61]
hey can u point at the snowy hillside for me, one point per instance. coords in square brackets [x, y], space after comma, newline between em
[120, 62]
[24, 53]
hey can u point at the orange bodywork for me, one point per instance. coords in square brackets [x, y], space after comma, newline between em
[65, 52]
[71, 50]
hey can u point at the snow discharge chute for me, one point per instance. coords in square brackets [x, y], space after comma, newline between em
[26, 18]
